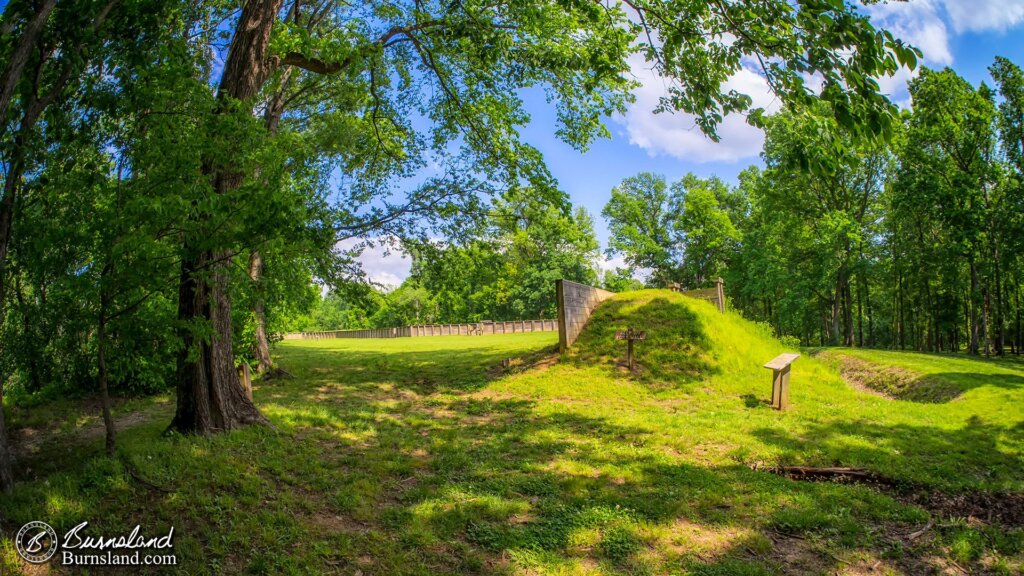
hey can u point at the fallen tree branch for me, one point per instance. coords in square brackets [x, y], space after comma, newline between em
[826, 471]
[134, 474]
[831, 472]
[919, 533]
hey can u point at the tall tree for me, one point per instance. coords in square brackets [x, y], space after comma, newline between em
[705, 227]
[824, 189]
[946, 166]
[1010, 81]
[45, 49]
[641, 219]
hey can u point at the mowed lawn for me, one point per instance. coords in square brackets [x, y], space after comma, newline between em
[489, 455]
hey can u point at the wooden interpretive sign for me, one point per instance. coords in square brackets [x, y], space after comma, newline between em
[780, 379]
[630, 336]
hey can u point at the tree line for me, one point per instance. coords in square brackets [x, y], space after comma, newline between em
[176, 173]
[914, 243]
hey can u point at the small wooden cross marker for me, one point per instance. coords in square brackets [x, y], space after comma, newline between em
[630, 336]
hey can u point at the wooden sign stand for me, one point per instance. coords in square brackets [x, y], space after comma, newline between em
[780, 379]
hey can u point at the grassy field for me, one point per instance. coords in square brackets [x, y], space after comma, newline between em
[490, 455]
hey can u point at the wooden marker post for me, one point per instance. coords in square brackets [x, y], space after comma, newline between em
[630, 336]
[245, 378]
[780, 379]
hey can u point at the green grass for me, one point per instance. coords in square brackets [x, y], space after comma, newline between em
[931, 377]
[425, 456]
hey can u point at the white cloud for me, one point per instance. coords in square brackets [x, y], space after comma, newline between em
[385, 266]
[984, 15]
[918, 22]
[605, 263]
[677, 135]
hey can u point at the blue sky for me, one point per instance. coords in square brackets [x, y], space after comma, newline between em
[963, 34]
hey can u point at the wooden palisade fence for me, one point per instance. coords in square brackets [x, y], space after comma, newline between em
[474, 329]
[715, 295]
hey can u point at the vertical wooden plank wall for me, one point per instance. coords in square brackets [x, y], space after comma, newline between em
[576, 302]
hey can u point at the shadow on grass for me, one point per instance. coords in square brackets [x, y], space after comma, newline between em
[979, 454]
[500, 484]
[424, 372]
[372, 470]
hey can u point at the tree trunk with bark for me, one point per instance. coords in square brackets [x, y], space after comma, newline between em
[101, 364]
[6, 456]
[26, 44]
[261, 348]
[210, 397]
[974, 345]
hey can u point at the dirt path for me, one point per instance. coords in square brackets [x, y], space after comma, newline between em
[38, 448]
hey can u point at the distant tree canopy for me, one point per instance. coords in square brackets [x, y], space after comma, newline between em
[841, 240]
[506, 271]
[680, 233]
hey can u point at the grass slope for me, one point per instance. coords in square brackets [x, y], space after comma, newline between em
[424, 456]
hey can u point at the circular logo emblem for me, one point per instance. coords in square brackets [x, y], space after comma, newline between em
[36, 542]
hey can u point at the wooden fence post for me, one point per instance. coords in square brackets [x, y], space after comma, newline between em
[245, 378]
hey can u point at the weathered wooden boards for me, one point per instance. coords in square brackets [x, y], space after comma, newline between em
[245, 378]
[477, 328]
[575, 304]
[714, 295]
[780, 379]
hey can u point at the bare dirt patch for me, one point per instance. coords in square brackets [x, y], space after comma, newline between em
[29, 442]
[42, 449]
[334, 523]
[541, 360]
[1006, 508]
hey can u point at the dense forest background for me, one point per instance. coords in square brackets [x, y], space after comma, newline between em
[915, 244]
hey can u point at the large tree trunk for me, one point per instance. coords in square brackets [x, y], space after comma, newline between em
[12, 72]
[6, 457]
[261, 348]
[210, 397]
[101, 364]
